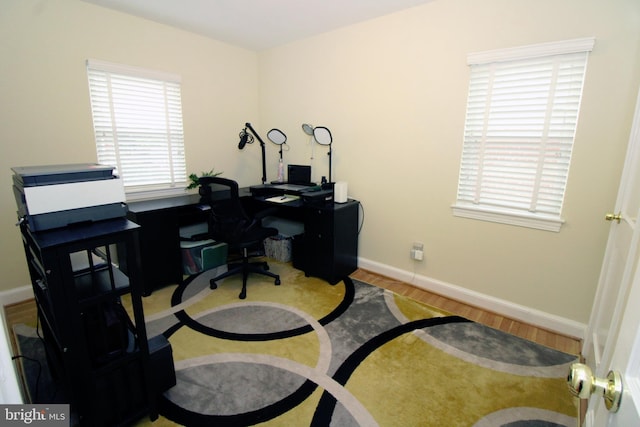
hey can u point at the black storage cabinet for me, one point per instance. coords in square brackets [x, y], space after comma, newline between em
[330, 241]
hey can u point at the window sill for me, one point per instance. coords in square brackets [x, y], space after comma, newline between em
[539, 222]
[135, 196]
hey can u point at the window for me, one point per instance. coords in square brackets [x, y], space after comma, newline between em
[137, 119]
[522, 112]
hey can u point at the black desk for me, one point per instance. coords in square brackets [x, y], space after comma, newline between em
[328, 248]
[160, 221]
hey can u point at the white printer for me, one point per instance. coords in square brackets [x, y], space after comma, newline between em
[55, 196]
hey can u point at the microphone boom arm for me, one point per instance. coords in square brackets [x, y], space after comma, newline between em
[264, 155]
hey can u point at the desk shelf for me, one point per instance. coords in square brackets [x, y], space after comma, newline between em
[93, 287]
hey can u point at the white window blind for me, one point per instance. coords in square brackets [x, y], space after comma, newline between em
[137, 117]
[522, 112]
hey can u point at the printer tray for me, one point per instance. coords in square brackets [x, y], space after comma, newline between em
[58, 219]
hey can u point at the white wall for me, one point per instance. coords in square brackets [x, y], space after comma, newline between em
[45, 115]
[393, 92]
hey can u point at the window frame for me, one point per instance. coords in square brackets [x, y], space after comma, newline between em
[502, 214]
[164, 101]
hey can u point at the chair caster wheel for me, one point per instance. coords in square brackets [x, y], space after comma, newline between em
[212, 285]
[277, 282]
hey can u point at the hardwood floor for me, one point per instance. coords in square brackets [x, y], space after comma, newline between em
[20, 312]
[26, 311]
[544, 337]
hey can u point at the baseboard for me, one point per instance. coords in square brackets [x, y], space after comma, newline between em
[10, 390]
[15, 295]
[541, 319]
[522, 313]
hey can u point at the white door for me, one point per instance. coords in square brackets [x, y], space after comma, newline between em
[612, 341]
[626, 359]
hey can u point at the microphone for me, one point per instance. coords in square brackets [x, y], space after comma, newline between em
[244, 137]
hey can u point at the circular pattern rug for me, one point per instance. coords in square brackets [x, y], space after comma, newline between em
[352, 354]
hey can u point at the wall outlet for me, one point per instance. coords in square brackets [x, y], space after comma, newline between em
[417, 252]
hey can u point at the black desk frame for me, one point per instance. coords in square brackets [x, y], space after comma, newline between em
[328, 249]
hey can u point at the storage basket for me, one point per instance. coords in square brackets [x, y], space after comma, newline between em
[278, 247]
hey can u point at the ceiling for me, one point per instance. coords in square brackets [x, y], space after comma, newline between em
[258, 24]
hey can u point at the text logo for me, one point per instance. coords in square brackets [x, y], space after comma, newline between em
[36, 415]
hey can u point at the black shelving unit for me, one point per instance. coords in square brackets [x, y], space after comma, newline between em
[79, 275]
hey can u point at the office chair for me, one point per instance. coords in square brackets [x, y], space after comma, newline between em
[230, 223]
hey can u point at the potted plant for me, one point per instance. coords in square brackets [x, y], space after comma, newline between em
[194, 180]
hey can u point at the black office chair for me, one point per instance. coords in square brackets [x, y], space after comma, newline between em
[230, 223]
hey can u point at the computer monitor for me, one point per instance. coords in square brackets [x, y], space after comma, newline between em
[299, 174]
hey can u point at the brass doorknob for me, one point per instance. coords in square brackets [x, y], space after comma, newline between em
[583, 384]
[613, 217]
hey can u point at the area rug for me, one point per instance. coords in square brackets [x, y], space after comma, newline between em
[307, 353]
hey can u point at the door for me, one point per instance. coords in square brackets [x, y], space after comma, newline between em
[612, 340]
[626, 359]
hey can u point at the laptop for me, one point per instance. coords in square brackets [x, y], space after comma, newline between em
[299, 174]
[298, 178]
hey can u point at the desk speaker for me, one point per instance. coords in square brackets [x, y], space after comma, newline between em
[340, 192]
